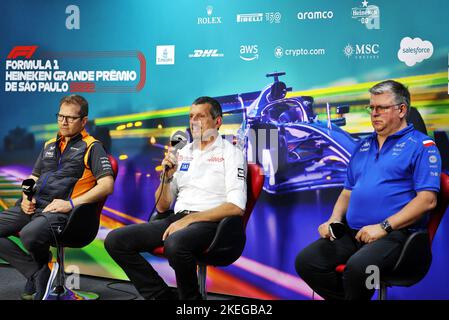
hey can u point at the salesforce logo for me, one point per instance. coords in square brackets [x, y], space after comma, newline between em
[315, 15]
[413, 51]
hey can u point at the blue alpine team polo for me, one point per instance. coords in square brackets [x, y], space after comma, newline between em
[383, 181]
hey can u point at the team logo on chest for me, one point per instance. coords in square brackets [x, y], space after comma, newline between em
[397, 149]
[215, 159]
[49, 154]
[365, 147]
[184, 166]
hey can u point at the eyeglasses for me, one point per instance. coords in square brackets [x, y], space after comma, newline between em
[69, 119]
[380, 109]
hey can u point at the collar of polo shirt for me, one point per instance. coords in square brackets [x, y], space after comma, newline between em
[216, 144]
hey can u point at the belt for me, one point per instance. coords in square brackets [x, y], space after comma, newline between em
[185, 212]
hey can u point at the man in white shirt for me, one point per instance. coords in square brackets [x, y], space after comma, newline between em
[207, 179]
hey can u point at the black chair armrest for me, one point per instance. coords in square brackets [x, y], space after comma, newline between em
[413, 263]
[82, 226]
[228, 243]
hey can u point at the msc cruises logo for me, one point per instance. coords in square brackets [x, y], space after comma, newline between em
[362, 51]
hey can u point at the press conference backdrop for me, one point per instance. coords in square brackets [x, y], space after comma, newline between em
[140, 64]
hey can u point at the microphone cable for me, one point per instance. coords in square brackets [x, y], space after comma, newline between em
[108, 285]
[160, 194]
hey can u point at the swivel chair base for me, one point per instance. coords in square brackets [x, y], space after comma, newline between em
[61, 292]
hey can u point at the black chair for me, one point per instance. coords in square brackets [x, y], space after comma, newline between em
[230, 237]
[410, 267]
[442, 142]
[414, 117]
[80, 230]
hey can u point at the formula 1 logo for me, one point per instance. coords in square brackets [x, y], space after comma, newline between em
[22, 51]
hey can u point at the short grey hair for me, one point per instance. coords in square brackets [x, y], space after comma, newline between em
[400, 92]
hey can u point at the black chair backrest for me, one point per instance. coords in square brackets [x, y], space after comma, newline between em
[414, 117]
[442, 142]
[82, 226]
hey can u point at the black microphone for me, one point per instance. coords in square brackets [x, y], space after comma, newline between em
[178, 141]
[29, 188]
[338, 230]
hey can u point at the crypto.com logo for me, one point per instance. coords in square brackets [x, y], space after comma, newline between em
[278, 52]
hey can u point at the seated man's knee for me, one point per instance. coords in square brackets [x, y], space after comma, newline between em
[173, 249]
[301, 264]
[116, 240]
[359, 282]
[355, 272]
[30, 239]
[306, 262]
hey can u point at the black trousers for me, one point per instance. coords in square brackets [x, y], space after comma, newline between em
[125, 245]
[316, 264]
[35, 233]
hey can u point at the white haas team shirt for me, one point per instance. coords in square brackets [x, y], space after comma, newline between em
[208, 178]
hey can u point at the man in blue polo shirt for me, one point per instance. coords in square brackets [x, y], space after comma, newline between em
[392, 182]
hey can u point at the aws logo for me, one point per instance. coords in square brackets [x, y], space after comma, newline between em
[249, 52]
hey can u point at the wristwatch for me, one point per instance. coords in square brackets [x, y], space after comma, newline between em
[386, 226]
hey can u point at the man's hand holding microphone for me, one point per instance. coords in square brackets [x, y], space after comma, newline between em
[28, 204]
[170, 164]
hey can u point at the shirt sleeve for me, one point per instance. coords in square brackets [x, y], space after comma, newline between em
[98, 162]
[38, 165]
[427, 169]
[174, 189]
[349, 181]
[235, 177]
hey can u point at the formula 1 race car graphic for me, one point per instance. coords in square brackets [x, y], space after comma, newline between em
[297, 151]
